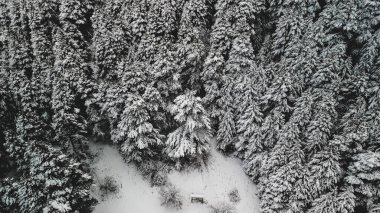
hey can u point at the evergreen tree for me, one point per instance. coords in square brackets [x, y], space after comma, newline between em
[43, 60]
[191, 138]
[193, 44]
[334, 202]
[220, 44]
[138, 137]
[71, 74]
[53, 184]
[161, 29]
[111, 37]
[5, 95]
[7, 112]
[364, 178]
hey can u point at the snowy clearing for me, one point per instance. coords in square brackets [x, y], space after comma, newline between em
[222, 175]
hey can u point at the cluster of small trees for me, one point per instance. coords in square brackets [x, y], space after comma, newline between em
[290, 87]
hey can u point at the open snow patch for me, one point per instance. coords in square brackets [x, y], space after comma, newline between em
[221, 176]
[135, 194]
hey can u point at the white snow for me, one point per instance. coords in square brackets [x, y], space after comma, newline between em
[135, 193]
[222, 175]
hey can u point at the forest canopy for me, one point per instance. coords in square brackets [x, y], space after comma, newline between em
[292, 87]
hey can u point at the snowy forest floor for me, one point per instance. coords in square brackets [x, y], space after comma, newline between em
[135, 195]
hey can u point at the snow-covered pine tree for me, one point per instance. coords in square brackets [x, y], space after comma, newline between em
[192, 42]
[319, 130]
[232, 102]
[138, 137]
[137, 18]
[221, 38]
[110, 42]
[361, 122]
[43, 59]
[358, 146]
[363, 177]
[51, 182]
[320, 175]
[5, 95]
[226, 134]
[74, 35]
[23, 85]
[7, 113]
[4, 41]
[293, 18]
[334, 202]
[19, 48]
[71, 85]
[250, 116]
[161, 29]
[191, 140]
[262, 141]
[156, 53]
[240, 65]
[165, 72]
[282, 168]
[111, 38]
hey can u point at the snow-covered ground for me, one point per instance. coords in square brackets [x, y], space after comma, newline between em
[135, 195]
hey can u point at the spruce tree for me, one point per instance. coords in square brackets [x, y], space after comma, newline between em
[71, 84]
[138, 137]
[191, 139]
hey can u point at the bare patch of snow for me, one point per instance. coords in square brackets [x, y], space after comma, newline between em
[135, 194]
[222, 175]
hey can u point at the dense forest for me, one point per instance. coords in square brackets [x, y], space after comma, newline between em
[292, 87]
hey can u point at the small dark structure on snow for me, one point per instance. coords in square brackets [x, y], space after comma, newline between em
[196, 198]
